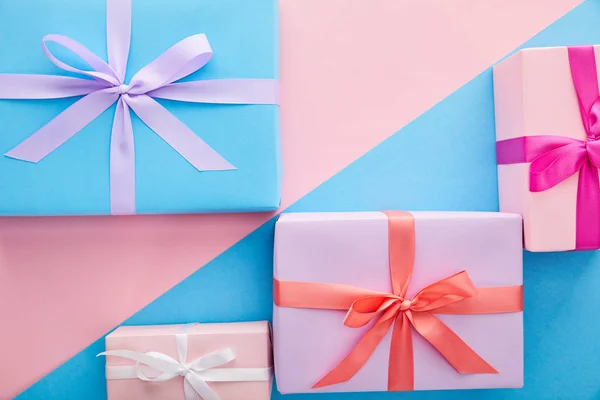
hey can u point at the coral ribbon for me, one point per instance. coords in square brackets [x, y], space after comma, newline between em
[453, 295]
[556, 158]
[104, 86]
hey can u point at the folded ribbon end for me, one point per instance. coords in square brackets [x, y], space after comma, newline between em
[14, 154]
[213, 164]
[482, 367]
[327, 381]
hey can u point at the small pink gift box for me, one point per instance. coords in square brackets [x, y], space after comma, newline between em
[229, 361]
[548, 150]
[410, 273]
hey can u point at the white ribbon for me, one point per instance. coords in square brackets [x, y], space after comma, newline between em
[196, 373]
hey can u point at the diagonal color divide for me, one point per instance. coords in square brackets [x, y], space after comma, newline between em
[65, 282]
[459, 170]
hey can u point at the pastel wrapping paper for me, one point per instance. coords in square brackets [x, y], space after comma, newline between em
[535, 96]
[249, 341]
[352, 249]
[75, 178]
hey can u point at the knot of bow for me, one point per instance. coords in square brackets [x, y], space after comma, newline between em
[159, 367]
[556, 158]
[385, 308]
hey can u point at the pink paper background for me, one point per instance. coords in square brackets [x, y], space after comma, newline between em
[352, 249]
[534, 95]
[334, 109]
[250, 342]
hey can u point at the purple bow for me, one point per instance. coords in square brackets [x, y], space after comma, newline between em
[107, 87]
[556, 158]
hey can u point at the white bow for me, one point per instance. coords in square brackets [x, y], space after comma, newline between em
[196, 373]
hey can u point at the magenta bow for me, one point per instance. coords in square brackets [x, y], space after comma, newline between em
[104, 85]
[556, 158]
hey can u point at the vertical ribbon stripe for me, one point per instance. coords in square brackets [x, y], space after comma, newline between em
[453, 295]
[555, 158]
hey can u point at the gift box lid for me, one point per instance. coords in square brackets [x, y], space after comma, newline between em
[352, 249]
[74, 179]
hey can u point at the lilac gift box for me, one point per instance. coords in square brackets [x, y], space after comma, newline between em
[352, 249]
[242, 370]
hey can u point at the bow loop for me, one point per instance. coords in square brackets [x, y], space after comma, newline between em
[101, 71]
[179, 61]
[554, 166]
[158, 368]
[212, 360]
[450, 290]
[365, 309]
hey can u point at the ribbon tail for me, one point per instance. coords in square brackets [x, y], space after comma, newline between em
[64, 126]
[401, 372]
[588, 212]
[553, 167]
[32, 87]
[122, 163]
[195, 386]
[462, 357]
[354, 361]
[222, 91]
[177, 135]
[180, 60]
[118, 35]
[214, 359]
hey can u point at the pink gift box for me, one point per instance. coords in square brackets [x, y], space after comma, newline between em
[535, 95]
[248, 342]
[352, 249]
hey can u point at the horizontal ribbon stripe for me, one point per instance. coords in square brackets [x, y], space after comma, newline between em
[489, 300]
[211, 375]
[556, 158]
[222, 91]
[328, 296]
[453, 295]
[104, 85]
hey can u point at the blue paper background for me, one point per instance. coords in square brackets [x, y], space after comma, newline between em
[74, 179]
[444, 160]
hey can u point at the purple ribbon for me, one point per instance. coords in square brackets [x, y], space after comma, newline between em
[104, 86]
[556, 158]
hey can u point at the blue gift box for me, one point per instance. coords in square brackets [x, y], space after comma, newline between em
[74, 179]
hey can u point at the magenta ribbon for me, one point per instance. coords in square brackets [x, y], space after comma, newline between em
[556, 158]
[104, 85]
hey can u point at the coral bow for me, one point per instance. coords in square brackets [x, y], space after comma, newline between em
[453, 295]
